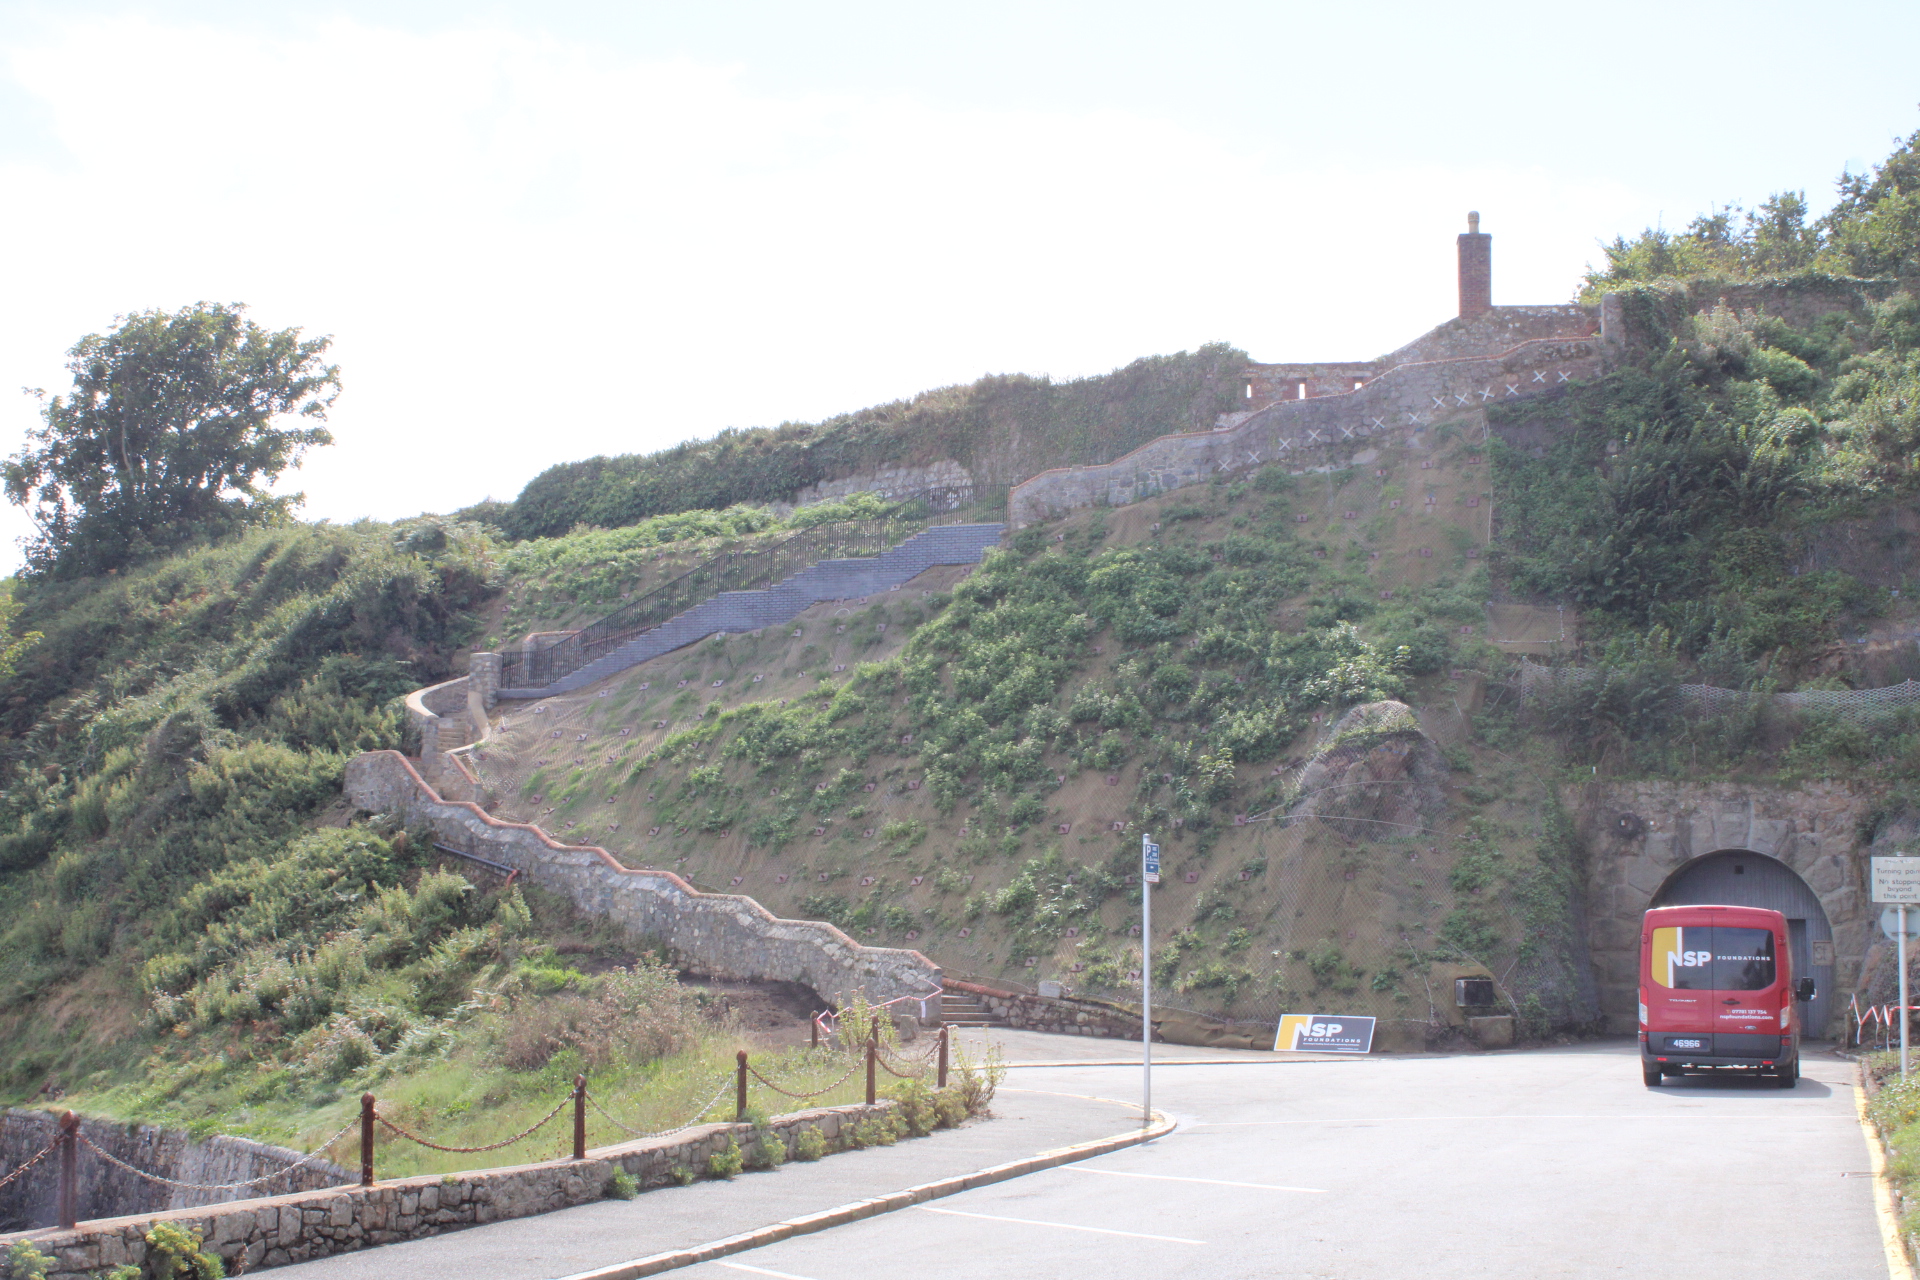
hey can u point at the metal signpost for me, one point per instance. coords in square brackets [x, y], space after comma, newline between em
[1897, 880]
[1149, 877]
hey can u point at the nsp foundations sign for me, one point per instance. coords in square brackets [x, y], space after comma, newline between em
[1324, 1033]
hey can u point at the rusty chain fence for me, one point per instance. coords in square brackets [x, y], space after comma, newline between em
[71, 1140]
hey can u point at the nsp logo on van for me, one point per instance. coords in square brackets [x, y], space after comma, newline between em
[1324, 1033]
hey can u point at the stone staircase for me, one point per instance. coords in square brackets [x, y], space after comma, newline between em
[741, 611]
[959, 1009]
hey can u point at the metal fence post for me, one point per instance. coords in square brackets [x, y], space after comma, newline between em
[873, 1055]
[740, 1086]
[579, 1117]
[946, 1033]
[366, 1139]
[69, 1207]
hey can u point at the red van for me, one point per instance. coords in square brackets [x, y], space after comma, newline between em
[1717, 993]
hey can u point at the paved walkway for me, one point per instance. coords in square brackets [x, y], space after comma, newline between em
[555, 1244]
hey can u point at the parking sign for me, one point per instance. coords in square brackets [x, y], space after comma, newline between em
[1150, 858]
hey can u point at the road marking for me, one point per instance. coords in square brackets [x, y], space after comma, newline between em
[1212, 1182]
[760, 1271]
[1064, 1226]
[1748, 1117]
[1898, 1268]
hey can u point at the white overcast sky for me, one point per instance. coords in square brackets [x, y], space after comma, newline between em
[541, 232]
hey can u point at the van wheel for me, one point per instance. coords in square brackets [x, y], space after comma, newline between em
[1650, 1075]
[1789, 1075]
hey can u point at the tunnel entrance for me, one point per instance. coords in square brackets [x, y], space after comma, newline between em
[1742, 878]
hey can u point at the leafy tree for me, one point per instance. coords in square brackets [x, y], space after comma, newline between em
[168, 436]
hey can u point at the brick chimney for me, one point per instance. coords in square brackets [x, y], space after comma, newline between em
[1476, 270]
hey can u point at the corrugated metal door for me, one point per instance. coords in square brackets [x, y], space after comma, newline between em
[1737, 878]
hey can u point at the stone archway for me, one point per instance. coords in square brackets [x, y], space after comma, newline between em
[1743, 878]
[1640, 836]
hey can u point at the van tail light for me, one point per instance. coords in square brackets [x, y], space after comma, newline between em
[1643, 1013]
[1786, 1015]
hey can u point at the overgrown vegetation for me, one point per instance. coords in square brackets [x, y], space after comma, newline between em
[1005, 427]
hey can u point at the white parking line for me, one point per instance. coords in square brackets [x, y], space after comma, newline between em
[1212, 1182]
[1064, 1226]
[1750, 1116]
[760, 1271]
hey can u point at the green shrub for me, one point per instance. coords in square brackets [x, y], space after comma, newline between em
[175, 1253]
[24, 1262]
[809, 1145]
[622, 1185]
[727, 1163]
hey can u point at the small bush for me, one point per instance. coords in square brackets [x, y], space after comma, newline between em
[24, 1262]
[728, 1163]
[770, 1152]
[622, 1185]
[176, 1254]
[809, 1146]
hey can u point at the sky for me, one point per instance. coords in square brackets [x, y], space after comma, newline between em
[541, 232]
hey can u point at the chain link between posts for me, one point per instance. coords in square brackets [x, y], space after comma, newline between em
[528, 1132]
[44, 1153]
[726, 1084]
[844, 1077]
[263, 1179]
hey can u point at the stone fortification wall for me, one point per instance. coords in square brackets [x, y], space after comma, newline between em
[1315, 434]
[725, 935]
[277, 1230]
[29, 1202]
[1500, 329]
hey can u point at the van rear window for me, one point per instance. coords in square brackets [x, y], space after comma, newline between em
[1713, 958]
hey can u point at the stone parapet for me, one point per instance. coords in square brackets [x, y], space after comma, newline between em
[725, 935]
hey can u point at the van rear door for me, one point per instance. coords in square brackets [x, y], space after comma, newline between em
[1746, 973]
[1680, 1003]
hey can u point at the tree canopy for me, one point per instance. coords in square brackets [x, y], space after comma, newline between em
[1873, 229]
[168, 436]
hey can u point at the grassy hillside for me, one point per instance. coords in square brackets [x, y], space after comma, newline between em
[967, 767]
[191, 923]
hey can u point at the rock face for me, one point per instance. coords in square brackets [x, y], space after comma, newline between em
[1379, 771]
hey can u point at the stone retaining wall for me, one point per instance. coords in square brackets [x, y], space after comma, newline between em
[276, 1230]
[725, 935]
[170, 1153]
